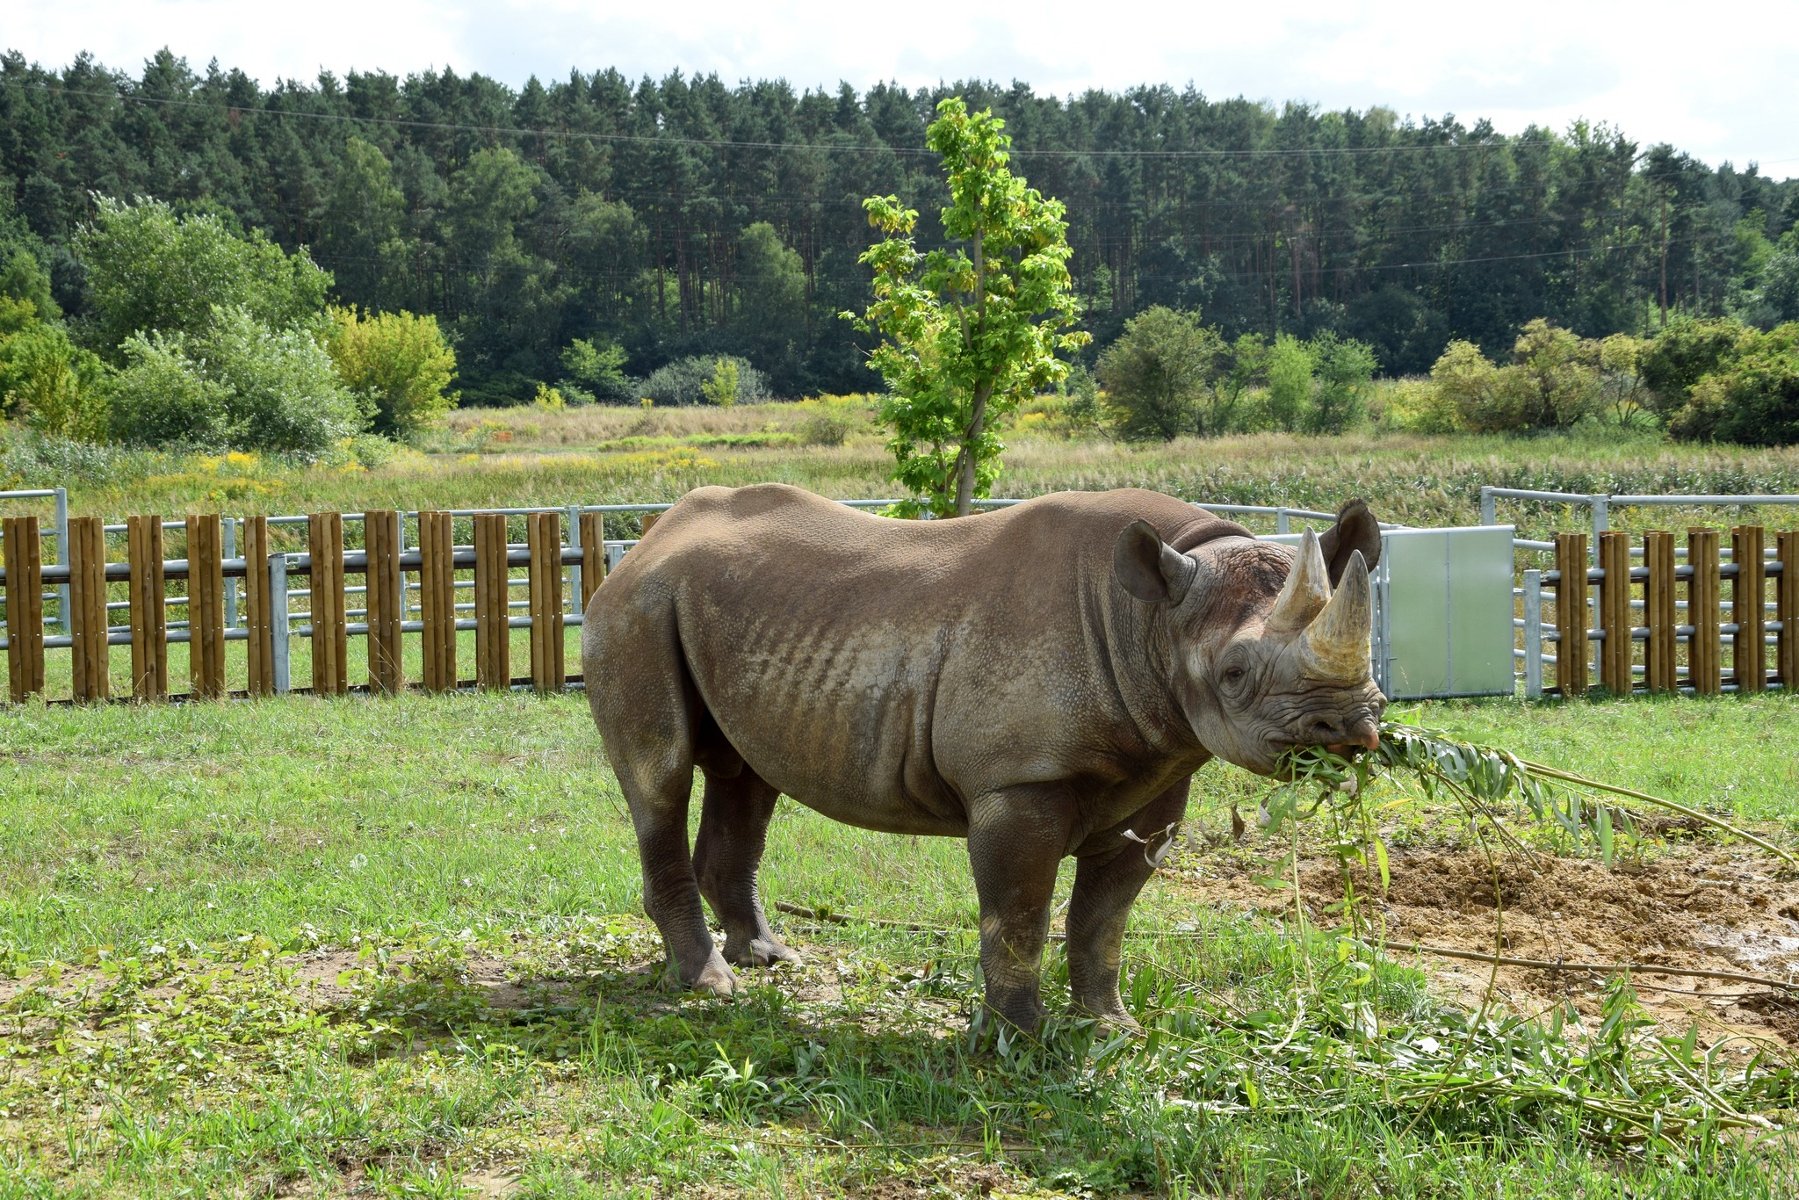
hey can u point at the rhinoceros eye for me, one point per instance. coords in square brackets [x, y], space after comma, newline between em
[1234, 675]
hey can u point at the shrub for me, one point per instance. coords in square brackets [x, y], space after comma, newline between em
[1752, 399]
[398, 363]
[1154, 373]
[596, 369]
[686, 380]
[57, 387]
[240, 387]
[830, 420]
[1345, 372]
[1290, 367]
[1416, 406]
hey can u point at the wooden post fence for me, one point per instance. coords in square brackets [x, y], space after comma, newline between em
[1664, 629]
[330, 634]
[543, 536]
[381, 543]
[1747, 649]
[1571, 613]
[206, 606]
[1703, 659]
[147, 589]
[437, 599]
[24, 607]
[259, 610]
[1628, 604]
[493, 631]
[89, 626]
[1786, 609]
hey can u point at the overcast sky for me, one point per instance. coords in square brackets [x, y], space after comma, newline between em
[1720, 81]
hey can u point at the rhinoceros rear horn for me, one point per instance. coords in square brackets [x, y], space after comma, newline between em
[1335, 644]
[1306, 592]
[1149, 568]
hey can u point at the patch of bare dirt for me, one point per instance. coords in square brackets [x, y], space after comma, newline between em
[1727, 912]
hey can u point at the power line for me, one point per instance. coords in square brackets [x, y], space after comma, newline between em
[661, 138]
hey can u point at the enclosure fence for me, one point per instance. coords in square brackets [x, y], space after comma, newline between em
[480, 598]
[486, 599]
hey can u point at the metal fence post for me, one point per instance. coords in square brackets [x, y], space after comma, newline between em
[280, 621]
[63, 617]
[1601, 506]
[1489, 506]
[1533, 634]
[229, 536]
[574, 571]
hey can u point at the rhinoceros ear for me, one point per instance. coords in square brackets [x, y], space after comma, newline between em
[1149, 568]
[1356, 529]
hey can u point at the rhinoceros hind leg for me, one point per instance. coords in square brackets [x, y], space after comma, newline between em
[1110, 869]
[733, 831]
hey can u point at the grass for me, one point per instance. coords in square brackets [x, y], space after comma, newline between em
[393, 948]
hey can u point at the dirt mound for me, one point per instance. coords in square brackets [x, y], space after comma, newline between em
[1722, 923]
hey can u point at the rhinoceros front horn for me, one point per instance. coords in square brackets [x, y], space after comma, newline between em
[1335, 644]
[1306, 592]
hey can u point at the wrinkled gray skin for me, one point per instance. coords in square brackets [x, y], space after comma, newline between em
[1037, 680]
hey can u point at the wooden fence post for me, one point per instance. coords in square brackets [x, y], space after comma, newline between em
[24, 607]
[1659, 608]
[593, 555]
[88, 623]
[437, 599]
[1614, 612]
[148, 588]
[646, 523]
[205, 606]
[1571, 613]
[493, 664]
[258, 608]
[330, 635]
[381, 546]
[1748, 651]
[1786, 609]
[1703, 659]
[543, 533]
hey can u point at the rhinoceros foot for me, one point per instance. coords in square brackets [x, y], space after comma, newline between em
[714, 977]
[759, 952]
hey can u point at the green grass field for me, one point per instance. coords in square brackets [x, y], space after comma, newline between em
[393, 947]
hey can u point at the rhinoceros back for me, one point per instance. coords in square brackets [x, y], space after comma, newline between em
[874, 669]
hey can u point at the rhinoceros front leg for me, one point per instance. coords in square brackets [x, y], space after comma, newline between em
[1016, 840]
[734, 820]
[1110, 869]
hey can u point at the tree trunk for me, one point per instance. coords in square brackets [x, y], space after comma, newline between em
[965, 463]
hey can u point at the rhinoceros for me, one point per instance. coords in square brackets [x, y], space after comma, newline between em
[1042, 680]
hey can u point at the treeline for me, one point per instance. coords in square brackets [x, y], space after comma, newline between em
[649, 221]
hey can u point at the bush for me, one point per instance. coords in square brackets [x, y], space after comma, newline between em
[687, 381]
[398, 363]
[1345, 373]
[239, 387]
[830, 420]
[1290, 367]
[1416, 406]
[54, 385]
[1752, 399]
[1155, 372]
